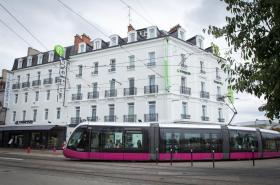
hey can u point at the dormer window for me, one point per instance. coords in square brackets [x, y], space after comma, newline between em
[199, 41]
[151, 32]
[82, 47]
[114, 40]
[40, 58]
[97, 44]
[19, 63]
[181, 33]
[29, 61]
[132, 36]
[51, 56]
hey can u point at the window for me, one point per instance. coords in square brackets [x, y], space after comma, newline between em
[202, 70]
[183, 81]
[97, 44]
[28, 77]
[40, 59]
[269, 142]
[152, 59]
[23, 115]
[19, 63]
[243, 141]
[79, 87]
[94, 87]
[80, 71]
[37, 96]
[130, 108]
[131, 62]
[46, 114]
[34, 115]
[14, 115]
[183, 60]
[184, 108]
[51, 56]
[200, 43]
[25, 97]
[16, 98]
[132, 37]
[77, 109]
[29, 61]
[79, 140]
[220, 112]
[181, 35]
[202, 86]
[152, 33]
[113, 65]
[204, 111]
[93, 111]
[217, 73]
[134, 140]
[113, 140]
[82, 48]
[152, 80]
[152, 107]
[50, 73]
[95, 68]
[58, 111]
[113, 41]
[131, 83]
[39, 75]
[48, 94]
[112, 84]
[18, 79]
[111, 110]
[219, 90]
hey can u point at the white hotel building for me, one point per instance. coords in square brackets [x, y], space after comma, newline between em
[150, 76]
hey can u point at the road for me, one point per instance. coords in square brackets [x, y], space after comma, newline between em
[18, 169]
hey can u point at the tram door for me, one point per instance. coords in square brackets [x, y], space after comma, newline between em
[95, 143]
[154, 141]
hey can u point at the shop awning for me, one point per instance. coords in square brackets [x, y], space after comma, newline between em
[37, 127]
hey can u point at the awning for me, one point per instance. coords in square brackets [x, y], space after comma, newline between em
[19, 128]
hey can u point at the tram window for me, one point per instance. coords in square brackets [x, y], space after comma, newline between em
[269, 142]
[278, 143]
[192, 141]
[113, 140]
[79, 140]
[134, 140]
[95, 141]
[172, 140]
[243, 140]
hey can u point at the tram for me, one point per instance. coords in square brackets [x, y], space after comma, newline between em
[169, 141]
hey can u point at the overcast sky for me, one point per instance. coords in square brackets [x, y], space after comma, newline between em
[53, 24]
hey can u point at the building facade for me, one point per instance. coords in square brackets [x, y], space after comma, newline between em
[150, 76]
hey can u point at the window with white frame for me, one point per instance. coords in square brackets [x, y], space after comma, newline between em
[152, 107]
[184, 108]
[203, 86]
[58, 112]
[40, 59]
[151, 33]
[183, 61]
[131, 62]
[37, 96]
[82, 47]
[19, 63]
[152, 59]
[113, 65]
[113, 41]
[48, 94]
[181, 34]
[34, 115]
[46, 114]
[220, 113]
[16, 98]
[25, 97]
[29, 61]
[51, 56]
[95, 67]
[132, 36]
[204, 111]
[97, 44]
[24, 115]
[202, 67]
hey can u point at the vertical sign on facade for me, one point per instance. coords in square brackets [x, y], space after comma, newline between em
[166, 65]
[8, 89]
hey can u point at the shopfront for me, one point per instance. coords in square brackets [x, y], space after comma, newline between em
[38, 137]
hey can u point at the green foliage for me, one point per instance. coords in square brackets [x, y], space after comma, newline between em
[254, 29]
[216, 49]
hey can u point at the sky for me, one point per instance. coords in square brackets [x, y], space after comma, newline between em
[53, 24]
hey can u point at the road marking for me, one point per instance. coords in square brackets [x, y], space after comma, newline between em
[9, 158]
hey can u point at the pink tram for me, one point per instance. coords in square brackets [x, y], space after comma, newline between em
[169, 141]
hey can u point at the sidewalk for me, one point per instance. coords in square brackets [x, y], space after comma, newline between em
[35, 152]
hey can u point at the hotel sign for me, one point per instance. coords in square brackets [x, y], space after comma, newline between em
[24, 122]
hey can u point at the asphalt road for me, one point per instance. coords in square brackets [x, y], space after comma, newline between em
[47, 170]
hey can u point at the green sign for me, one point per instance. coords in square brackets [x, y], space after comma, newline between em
[59, 50]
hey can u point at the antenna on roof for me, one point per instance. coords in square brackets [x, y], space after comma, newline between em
[129, 15]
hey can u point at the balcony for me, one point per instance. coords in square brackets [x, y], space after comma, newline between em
[76, 97]
[58, 79]
[131, 67]
[204, 118]
[221, 120]
[36, 83]
[129, 91]
[25, 85]
[48, 81]
[129, 118]
[110, 93]
[93, 95]
[92, 118]
[16, 86]
[185, 90]
[150, 89]
[75, 121]
[185, 116]
[220, 98]
[204, 94]
[110, 118]
[150, 117]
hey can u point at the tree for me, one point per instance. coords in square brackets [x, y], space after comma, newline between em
[253, 27]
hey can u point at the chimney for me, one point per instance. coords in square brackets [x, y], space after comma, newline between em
[130, 28]
[77, 41]
[174, 28]
[31, 51]
[86, 38]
